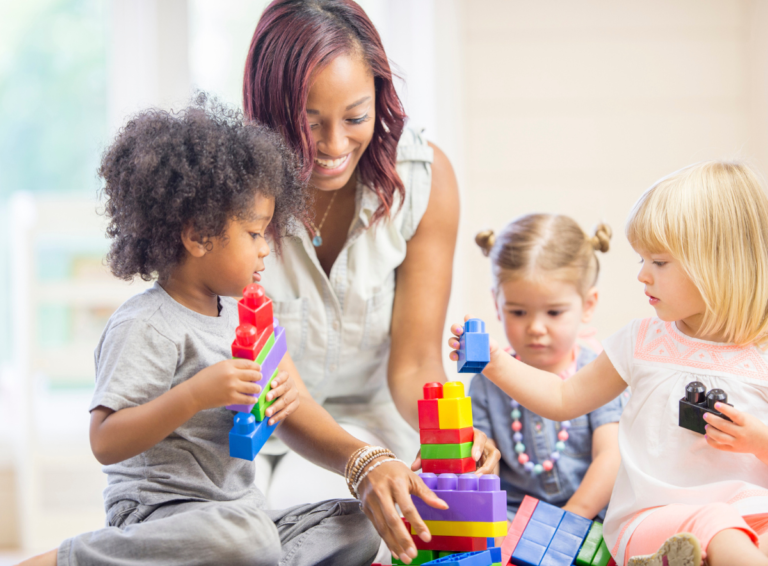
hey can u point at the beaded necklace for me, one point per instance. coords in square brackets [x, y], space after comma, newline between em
[562, 435]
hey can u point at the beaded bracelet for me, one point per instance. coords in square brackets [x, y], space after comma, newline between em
[359, 460]
[367, 459]
[369, 470]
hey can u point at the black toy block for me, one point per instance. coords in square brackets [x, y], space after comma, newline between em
[697, 402]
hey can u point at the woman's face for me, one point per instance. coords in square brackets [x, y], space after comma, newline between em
[341, 109]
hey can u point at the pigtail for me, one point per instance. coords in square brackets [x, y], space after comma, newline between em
[485, 239]
[601, 240]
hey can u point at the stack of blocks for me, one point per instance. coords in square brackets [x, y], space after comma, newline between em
[258, 338]
[445, 428]
[544, 535]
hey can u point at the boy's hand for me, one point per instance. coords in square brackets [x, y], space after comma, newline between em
[287, 395]
[231, 382]
[746, 434]
[453, 343]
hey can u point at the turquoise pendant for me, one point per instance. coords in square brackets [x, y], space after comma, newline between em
[317, 241]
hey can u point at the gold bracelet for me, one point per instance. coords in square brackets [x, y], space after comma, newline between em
[374, 455]
[358, 462]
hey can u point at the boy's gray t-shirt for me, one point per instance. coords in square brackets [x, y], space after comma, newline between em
[152, 343]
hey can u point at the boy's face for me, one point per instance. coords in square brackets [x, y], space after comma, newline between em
[541, 319]
[237, 257]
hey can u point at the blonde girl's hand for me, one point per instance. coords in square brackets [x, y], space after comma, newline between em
[453, 342]
[746, 434]
[287, 398]
[484, 452]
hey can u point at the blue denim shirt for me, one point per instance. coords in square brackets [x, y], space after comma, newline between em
[491, 414]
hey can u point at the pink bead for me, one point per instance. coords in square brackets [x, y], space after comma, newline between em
[522, 458]
[562, 435]
[517, 426]
[547, 465]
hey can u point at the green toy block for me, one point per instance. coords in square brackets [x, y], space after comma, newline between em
[590, 546]
[446, 451]
[602, 556]
[422, 557]
[444, 553]
[262, 404]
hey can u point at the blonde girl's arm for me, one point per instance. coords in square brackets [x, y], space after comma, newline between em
[596, 487]
[546, 394]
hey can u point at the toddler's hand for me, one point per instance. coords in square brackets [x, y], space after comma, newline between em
[231, 382]
[453, 343]
[746, 434]
[287, 395]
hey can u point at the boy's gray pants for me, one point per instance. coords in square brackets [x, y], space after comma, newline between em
[227, 532]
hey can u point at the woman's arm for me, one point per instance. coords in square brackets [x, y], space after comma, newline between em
[596, 487]
[423, 287]
[313, 434]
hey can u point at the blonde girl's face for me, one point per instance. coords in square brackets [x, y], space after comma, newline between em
[671, 292]
[541, 319]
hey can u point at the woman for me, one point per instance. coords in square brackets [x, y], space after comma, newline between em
[362, 290]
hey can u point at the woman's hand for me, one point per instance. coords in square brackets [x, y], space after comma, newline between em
[484, 452]
[286, 395]
[746, 434]
[389, 484]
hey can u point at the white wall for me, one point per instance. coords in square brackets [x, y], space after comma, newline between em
[577, 107]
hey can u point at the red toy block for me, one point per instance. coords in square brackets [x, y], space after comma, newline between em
[611, 562]
[433, 390]
[428, 414]
[255, 307]
[451, 544]
[523, 515]
[248, 343]
[448, 466]
[447, 436]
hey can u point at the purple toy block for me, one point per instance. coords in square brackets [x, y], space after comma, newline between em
[469, 498]
[273, 359]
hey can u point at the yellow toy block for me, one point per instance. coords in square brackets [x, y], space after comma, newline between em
[453, 390]
[465, 529]
[454, 413]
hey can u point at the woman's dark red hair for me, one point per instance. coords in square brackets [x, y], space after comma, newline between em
[295, 38]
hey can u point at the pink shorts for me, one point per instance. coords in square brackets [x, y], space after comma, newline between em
[702, 521]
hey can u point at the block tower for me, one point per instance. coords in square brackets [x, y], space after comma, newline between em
[258, 338]
[464, 533]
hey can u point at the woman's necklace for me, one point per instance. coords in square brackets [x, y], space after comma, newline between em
[317, 240]
[562, 435]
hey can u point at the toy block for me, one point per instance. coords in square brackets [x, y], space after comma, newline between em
[255, 307]
[492, 544]
[428, 414]
[516, 529]
[444, 553]
[447, 436]
[611, 562]
[698, 401]
[602, 556]
[268, 366]
[575, 525]
[443, 451]
[449, 466]
[466, 528]
[249, 342]
[454, 413]
[590, 545]
[261, 406]
[422, 557]
[474, 347]
[469, 498]
[555, 558]
[495, 554]
[481, 558]
[433, 390]
[457, 544]
[548, 514]
[539, 533]
[246, 438]
[527, 553]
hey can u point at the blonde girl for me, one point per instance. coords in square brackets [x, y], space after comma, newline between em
[702, 236]
[544, 271]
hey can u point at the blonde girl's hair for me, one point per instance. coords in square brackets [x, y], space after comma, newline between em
[713, 218]
[537, 243]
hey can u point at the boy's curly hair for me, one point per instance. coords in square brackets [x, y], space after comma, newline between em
[199, 167]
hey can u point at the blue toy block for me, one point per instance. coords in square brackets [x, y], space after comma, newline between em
[528, 553]
[495, 554]
[247, 437]
[491, 542]
[479, 558]
[555, 558]
[539, 533]
[474, 347]
[575, 525]
[565, 543]
[547, 514]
